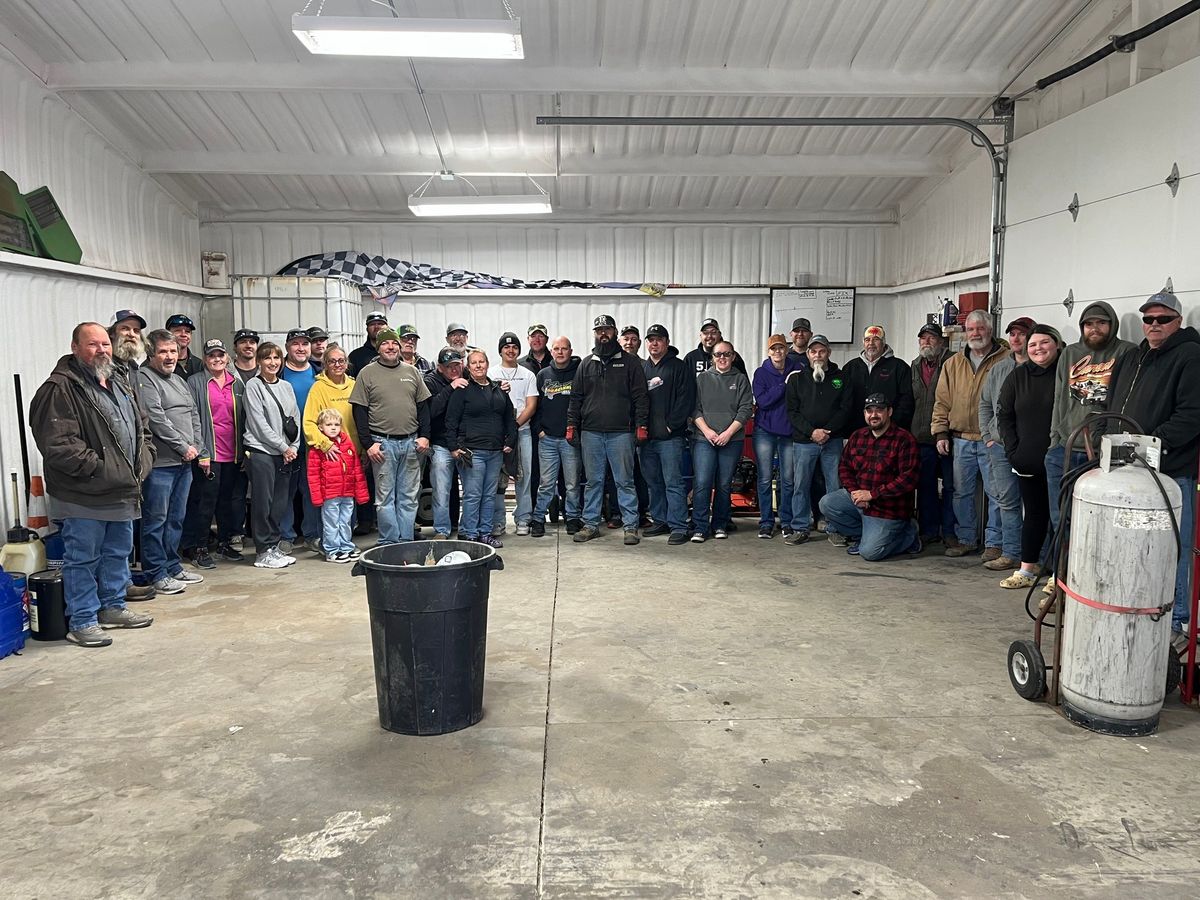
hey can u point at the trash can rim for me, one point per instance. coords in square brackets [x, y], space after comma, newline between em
[369, 563]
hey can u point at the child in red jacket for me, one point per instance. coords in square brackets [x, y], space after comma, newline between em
[336, 482]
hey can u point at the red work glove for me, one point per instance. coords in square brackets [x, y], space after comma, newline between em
[643, 434]
[570, 434]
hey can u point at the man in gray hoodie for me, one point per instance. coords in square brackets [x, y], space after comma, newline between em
[175, 428]
[1081, 388]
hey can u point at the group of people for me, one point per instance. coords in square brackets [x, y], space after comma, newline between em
[327, 442]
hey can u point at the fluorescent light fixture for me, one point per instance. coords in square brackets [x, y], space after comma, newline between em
[500, 205]
[379, 36]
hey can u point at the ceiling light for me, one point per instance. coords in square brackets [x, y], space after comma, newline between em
[499, 205]
[379, 36]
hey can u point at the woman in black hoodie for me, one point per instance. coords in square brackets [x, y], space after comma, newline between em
[479, 419]
[1025, 410]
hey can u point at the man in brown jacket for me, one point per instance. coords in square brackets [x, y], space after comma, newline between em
[96, 449]
[955, 427]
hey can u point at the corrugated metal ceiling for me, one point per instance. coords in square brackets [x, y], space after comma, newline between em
[222, 102]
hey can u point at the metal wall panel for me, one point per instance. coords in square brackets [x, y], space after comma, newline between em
[122, 219]
[42, 311]
[697, 255]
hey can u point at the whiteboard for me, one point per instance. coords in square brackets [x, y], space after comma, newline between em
[830, 310]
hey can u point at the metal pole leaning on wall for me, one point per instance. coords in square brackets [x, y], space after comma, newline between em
[997, 156]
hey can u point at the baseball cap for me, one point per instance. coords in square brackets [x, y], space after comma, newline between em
[603, 322]
[876, 399]
[180, 320]
[455, 326]
[1095, 311]
[707, 322]
[801, 324]
[245, 334]
[929, 328]
[535, 328]
[509, 339]
[659, 331]
[630, 329]
[1162, 298]
[776, 339]
[122, 314]
[214, 345]
[1024, 323]
[388, 334]
[874, 331]
[407, 331]
[317, 333]
[818, 339]
[377, 317]
[448, 355]
[297, 334]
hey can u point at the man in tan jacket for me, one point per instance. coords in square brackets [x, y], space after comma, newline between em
[955, 427]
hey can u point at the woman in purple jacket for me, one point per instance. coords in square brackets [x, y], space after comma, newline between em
[773, 436]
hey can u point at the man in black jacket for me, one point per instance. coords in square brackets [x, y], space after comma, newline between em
[877, 371]
[361, 356]
[96, 450]
[818, 402]
[672, 390]
[797, 354]
[700, 359]
[557, 454]
[936, 515]
[182, 327]
[1158, 386]
[609, 407]
[442, 382]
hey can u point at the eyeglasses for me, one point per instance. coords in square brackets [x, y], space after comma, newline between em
[1159, 320]
[723, 355]
[334, 362]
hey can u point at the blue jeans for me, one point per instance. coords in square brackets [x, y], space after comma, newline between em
[1006, 491]
[766, 447]
[615, 448]
[714, 471]
[524, 498]
[397, 488]
[877, 538]
[667, 494]
[971, 461]
[805, 458]
[441, 479]
[478, 490]
[164, 503]
[555, 453]
[1183, 572]
[1054, 476]
[336, 513]
[936, 513]
[95, 567]
[310, 521]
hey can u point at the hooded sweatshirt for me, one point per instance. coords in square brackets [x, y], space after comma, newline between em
[554, 398]
[1084, 376]
[672, 389]
[769, 385]
[722, 399]
[324, 394]
[608, 393]
[887, 375]
[1158, 389]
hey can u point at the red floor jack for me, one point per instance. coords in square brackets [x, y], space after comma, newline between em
[743, 496]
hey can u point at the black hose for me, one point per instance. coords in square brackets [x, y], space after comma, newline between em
[1119, 42]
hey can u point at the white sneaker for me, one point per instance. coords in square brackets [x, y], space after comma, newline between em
[283, 557]
[188, 577]
[522, 528]
[236, 542]
[268, 559]
[169, 585]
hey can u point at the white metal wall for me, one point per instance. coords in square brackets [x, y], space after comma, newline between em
[680, 254]
[122, 218]
[41, 310]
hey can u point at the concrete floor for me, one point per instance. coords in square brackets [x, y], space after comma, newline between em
[737, 719]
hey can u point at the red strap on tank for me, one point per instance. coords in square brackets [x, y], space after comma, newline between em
[1108, 607]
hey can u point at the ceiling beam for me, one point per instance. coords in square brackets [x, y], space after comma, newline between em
[832, 166]
[474, 78]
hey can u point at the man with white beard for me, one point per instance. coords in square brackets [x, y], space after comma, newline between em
[128, 348]
[818, 408]
[96, 450]
[955, 427]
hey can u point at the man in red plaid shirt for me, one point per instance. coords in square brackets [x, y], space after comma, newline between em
[872, 514]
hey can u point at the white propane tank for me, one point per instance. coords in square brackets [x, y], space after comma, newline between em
[1122, 558]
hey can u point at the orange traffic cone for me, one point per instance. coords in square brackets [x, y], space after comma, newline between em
[37, 518]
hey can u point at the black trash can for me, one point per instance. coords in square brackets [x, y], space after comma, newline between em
[428, 633]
